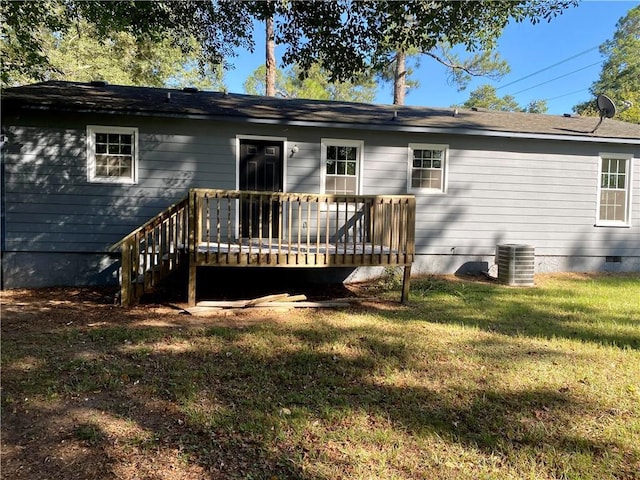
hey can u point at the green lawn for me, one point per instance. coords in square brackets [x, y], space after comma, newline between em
[471, 380]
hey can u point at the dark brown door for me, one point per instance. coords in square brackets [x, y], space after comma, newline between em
[261, 170]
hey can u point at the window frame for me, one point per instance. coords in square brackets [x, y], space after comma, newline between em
[92, 131]
[341, 142]
[628, 159]
[444, 169]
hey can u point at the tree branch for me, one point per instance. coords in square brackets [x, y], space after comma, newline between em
[454, 66]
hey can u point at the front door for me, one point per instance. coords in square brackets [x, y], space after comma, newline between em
[261, 170]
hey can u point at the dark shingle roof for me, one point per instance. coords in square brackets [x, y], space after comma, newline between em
[83, 97]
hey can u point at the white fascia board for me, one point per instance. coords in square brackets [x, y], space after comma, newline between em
[359, 126]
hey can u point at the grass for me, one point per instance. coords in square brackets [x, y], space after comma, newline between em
[471, 380]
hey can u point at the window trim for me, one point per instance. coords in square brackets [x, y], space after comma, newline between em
[92, 130]
[628, 158]
[445, 167]
[341, 142]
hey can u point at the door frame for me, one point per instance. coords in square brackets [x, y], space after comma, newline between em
[285, 157]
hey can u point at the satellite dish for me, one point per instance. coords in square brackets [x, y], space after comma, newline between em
[606, 108]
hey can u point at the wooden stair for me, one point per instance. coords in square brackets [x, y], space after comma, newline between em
[153, 251]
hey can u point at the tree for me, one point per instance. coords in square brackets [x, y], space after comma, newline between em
[348, 37]
[270, 61]
[461, 70]
[485, 96]
[314, 84]
[620, 75]
[25, 27]
[78, 55]
[352, 37]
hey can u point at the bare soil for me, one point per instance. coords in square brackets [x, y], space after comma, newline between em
[50, 433]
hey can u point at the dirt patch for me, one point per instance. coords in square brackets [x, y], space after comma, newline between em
[57, 425]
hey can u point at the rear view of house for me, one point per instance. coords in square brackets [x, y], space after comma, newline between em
[84, 165]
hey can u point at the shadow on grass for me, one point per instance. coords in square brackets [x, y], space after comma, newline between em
[228, 406]
[593, 314]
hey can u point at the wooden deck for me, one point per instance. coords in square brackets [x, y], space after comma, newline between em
[212, 228]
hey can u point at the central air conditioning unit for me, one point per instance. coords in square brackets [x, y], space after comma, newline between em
[516, 264]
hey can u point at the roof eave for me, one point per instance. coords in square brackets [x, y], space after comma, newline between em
[396, 127]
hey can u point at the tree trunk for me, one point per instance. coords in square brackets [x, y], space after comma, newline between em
[400, 79]
[270, 64]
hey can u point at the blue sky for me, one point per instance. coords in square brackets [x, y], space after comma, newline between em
[570, 40]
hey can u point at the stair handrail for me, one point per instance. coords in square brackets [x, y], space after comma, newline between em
[159, 218]
[146, 247]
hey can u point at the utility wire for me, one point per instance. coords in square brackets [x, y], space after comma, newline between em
[566, 94]
[557, 78]
[548, 68]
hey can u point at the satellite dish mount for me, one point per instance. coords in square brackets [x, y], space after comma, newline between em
[606, 108]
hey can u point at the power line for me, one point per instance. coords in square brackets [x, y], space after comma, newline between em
[557, 78]
[566, 94]
[548, 68]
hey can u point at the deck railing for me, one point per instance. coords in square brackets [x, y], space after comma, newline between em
[264, 228]
[154, 250]
[242, 228]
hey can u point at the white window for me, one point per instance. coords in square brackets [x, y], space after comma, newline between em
[427, 168]
[112, 154]
[341, 166]
[614, 190]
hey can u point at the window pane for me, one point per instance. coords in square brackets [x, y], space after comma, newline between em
[351, 168]
[341, 168]
[350, 185]
[101, 138]
[621, 166]
[330, 185]
[612, 181]
[114, 138]
[101, 148]
[613, 205]
[331, 167]
[427, 179]
[331, 153]
[351, 153]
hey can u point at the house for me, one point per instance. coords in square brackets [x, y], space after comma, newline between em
[83, 165]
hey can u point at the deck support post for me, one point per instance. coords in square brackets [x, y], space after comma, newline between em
[194, 220]
[406, 283]
[125, 275]
[191, 295]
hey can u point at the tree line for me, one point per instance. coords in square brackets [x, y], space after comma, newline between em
[338, 50]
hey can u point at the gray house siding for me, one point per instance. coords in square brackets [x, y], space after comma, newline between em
[58, 226]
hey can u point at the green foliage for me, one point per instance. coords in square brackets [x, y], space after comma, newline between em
[620, 75]
[485, 96]
[348, 37]
[487, 63]
[79, 55]
[26, 30]
[314, 84]
[353, 37]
